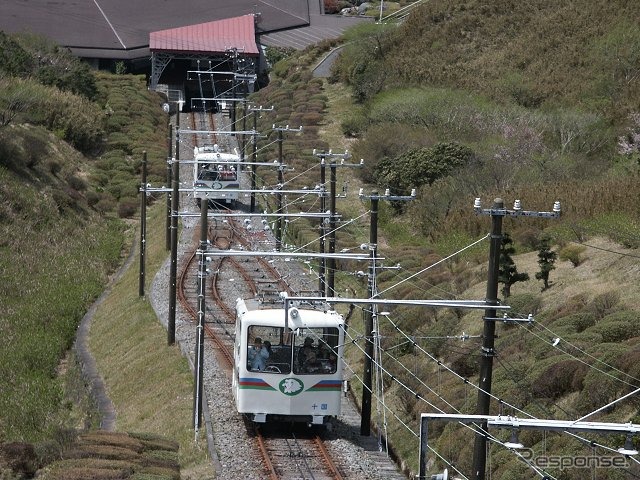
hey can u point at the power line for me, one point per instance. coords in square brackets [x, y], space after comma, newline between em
[433, 265]
[420, 397]
[564, 341]
[607, 250]
[581, 360]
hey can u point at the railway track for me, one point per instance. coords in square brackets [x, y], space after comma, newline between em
[296, 457]
[287, 457]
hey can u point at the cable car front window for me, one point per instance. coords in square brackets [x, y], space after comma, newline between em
[268, 349]
[208, 176]
[315, 351]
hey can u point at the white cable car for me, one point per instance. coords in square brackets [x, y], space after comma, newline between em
[215, 174]
[287, 369]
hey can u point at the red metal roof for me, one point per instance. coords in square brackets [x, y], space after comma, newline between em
[218, 36]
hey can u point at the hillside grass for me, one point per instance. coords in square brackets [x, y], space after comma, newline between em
[105, 455]
[55, 256]
[71, 145]
[549, 119]
[537, 137]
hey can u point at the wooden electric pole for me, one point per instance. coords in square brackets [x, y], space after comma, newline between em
[143, 225]
[199, 360]
[497, 212]
[173, 270]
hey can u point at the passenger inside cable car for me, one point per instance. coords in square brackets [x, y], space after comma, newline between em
[312, 359]
[314, 350]
[227, 173]
[277, 344]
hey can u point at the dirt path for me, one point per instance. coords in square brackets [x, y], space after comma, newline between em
[88, 364]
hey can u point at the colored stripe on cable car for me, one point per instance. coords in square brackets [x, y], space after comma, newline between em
[326, 385]
[255, 383]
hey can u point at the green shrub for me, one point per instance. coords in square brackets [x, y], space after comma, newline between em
[92, 198]
[311, 119]
[629, 361]
[384, 141]
[584, 321]
[105, 205]
[117, 122]
[525, 303]
[63, 201]
[54, 167]
[21, 100]
[77, 183]
[14, 60]
[573, 253]
[604, 304]
[585, 339]
[421, 166]
[127, 207]
[559, 379]
[10, 154]
[618, 327]
[119, 141]
[602, 390]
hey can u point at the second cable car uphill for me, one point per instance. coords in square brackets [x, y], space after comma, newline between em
[216, 174]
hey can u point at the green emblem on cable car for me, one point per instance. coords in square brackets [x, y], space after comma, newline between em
[291, 386]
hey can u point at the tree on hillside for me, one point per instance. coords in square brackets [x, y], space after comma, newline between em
[17, 96]
[14, 60]
[507, 271]
[422, 166]
[546, 260]
[56, 66]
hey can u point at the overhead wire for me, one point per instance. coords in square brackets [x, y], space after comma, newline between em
[433, 265]
[622, 254]
[379, 361]
[564, 341]
[345, 224]
[550, 342]
[490, 437]
[473, 385]
[592, 443]
[515, 380]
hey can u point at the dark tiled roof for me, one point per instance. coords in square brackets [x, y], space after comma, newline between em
[120, 29]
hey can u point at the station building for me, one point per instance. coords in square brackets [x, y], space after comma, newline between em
[194, 48]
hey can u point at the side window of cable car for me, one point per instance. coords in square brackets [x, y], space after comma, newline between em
[268, 350]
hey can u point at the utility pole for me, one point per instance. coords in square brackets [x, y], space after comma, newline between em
[234, 68]
[332, 230]
[486, 361]
[497, 212]
[254, 160]
[369, 313]
[168, 215]
[202, 275]
[173, 270]
[322, 267]
[279, 194]
[365, 422]
[281, 167]
[143, 224]
[328, 267]
[244, 127]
